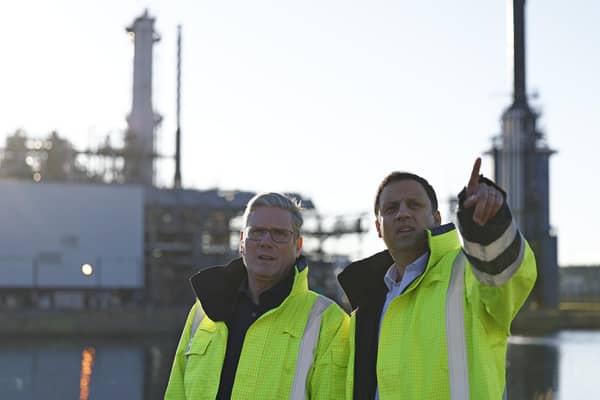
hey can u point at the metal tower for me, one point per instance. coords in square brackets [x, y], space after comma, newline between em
[521, 164]
[177, 178]
[142, 121]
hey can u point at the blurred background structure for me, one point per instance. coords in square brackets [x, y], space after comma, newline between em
[522, 166]
[89, 229]
[93, 246]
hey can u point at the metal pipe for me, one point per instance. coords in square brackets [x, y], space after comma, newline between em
[177, 182]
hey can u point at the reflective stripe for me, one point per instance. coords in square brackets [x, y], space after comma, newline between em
[458, 369]
[503, 277]
[198, 317]
[307, 348]
[496, 248]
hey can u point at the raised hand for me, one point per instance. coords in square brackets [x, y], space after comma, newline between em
[486, 199]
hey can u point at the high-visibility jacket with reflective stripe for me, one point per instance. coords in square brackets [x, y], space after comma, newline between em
[269, 359]
[445, 337]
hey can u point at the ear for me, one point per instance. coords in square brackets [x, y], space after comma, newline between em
[378, 227]
[241, 242]
[299, 245]
[437, 218]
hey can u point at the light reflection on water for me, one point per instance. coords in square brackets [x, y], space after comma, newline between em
[77, 368]
[580, 364]
[562, 366]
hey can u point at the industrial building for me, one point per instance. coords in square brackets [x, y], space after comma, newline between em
[89, 229]
[170, 232]
[521, 165]
[90, 245]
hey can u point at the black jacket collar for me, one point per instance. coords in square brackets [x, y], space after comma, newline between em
[217, 287]
[362, 279]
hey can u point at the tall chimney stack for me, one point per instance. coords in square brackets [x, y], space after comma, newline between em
[142, 120]
[518, 50]
[177, 181]
[521, 166]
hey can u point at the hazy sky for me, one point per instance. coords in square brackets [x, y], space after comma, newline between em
[319, 97]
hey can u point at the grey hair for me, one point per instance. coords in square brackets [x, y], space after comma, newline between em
[278, 200]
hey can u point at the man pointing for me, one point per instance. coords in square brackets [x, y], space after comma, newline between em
[431, 319]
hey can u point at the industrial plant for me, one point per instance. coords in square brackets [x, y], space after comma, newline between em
[96, 256]
[521, 164]
[89, 229]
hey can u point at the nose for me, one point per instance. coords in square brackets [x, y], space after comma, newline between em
[403, 211]
[266, 239]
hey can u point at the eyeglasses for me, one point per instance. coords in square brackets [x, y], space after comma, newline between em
[277, 234]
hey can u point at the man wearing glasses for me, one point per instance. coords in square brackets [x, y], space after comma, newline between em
[257, 331]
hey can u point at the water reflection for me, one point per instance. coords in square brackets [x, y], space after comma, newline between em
[87, 362]
[563, 366]
[532, 369]
[579, 361]
[66, 368]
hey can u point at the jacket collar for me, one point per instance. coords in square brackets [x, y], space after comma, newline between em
[364, 278]
[217, 287]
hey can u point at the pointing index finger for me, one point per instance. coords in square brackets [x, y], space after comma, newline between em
[474, 180]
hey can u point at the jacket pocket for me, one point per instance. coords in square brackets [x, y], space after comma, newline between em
[202, 374]
[200, 343]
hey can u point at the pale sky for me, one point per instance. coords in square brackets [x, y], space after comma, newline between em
[319, 97]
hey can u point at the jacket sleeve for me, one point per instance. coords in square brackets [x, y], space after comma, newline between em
[327, 378]
[175, 389]
[503, 269]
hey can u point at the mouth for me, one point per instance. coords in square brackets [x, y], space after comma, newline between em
[265, 257]
[405, 229]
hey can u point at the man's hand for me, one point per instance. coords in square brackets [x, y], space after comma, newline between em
[486, 199]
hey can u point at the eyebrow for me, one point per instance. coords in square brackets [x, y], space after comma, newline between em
[409, 198]
[269, 227]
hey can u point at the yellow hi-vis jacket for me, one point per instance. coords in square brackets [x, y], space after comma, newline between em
[297, 350]
[445, 336]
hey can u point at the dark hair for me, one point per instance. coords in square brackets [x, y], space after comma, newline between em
[403, 176]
